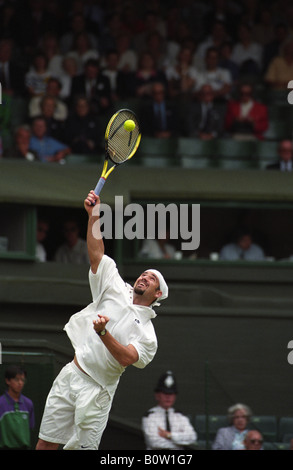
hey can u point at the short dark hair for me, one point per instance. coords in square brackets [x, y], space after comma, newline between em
[14, 370]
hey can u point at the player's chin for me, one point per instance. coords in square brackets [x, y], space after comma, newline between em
[139, 290]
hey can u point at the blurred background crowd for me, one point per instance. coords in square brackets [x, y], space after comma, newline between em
[194, 68]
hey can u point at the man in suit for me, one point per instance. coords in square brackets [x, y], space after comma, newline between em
[159, 116]
[94, 85]
[285, 157]
[206, 119]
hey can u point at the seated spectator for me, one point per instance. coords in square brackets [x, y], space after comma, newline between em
[48, 106]
[242, 248]
[77, 25]
[247, 53]
[226, 62]
[94, 85]
[50, 47]
[127, 57]
[285, 151]
[47, 148]
[274, 48]
[246, 118]
[159, 117]
[11, 75]
[81, 51]
[232, 437]
[158, 249]
[218, 78]
[68, 71]
[280, 69]
[253, 440]
[205, 119]
[120, 81]
[74, 250]
[182, 77]
[263, 29]
[37, 77]
[216, 38]
[53, 89]
[147, 73]
[82, 131]
[42, 232]
[21, 145]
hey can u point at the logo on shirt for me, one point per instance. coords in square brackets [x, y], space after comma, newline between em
[137, 321]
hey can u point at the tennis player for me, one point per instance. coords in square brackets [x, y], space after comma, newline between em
[111, 333]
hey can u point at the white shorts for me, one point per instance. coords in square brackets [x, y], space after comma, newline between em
[76, 411]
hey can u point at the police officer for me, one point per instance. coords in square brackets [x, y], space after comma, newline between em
[163, 427]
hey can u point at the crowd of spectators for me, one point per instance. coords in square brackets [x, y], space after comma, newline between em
[73, 62]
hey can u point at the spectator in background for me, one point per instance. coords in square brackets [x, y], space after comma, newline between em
[253, 440]
[47, 148]
[182, 77]
[53, 90]
[215, 39]
[17, 417]
[232, 437]
[11, 75]
[243, 248]
[77, 26]
[48, 106]
[42, 232]
[94, 85]
[50, 47]
[158, 249]
[247, 53]
[246, 118]
[82, 131]
[21, 145]
[218, 78]
[280, 69]
[82, 51]
[69, 70]
[164, 427]
[285, 151]
[74, 250]
[159, 117]
[274, 48]
[146, 74]
[127, 57]
[37, 77]
[205, 119]
[120, 81]
[226, 62]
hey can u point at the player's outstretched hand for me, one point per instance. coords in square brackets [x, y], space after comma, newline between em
[91, 201]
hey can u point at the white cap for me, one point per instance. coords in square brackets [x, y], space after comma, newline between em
[163, 285]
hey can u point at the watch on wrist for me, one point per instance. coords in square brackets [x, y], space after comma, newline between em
[102, 333]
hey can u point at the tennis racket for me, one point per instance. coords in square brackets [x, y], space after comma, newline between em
[120, 144]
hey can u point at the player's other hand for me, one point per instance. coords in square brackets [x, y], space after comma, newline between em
[100, 323]
[91, 201]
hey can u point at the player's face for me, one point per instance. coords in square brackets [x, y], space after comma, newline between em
[147, 284]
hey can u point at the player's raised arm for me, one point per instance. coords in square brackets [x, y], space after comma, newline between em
[95, 242]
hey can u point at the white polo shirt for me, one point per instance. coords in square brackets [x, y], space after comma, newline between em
[129, 324]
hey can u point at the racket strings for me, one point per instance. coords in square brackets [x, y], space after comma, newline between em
[120, 141]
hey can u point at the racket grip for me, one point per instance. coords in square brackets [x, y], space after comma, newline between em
[99, 186]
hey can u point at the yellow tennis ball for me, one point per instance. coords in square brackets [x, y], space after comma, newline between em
[129, 125]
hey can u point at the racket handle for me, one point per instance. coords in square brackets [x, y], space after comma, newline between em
[99, 186]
